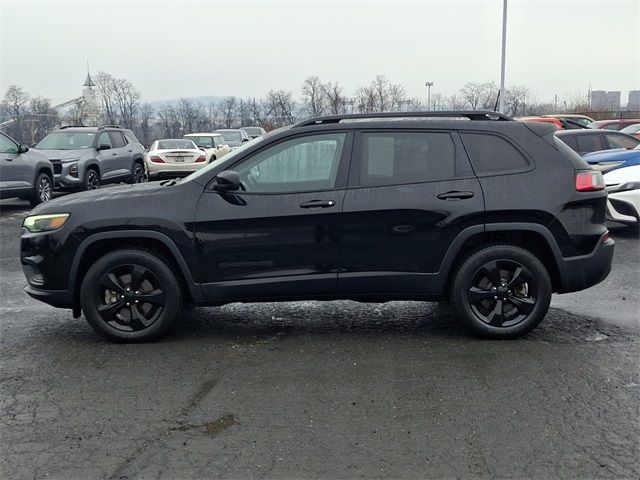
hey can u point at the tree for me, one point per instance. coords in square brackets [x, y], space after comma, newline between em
[479, 96]
[336, 101]
[105, 84]
[126, 99]
[229, 109]
[279, 106]
[15, 103]
[146, 114]
[314, 97]
[44, 118]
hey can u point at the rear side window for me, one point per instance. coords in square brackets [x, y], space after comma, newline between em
[131, 136]
[619, 141]
[389, 158]
[569, 140]
[491, 153]
[117, 140]
[590, 143]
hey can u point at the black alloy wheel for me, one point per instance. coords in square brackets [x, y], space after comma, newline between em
[501, 291]
[92, 181]
[131, 295]
[129, 298]
[139, 175]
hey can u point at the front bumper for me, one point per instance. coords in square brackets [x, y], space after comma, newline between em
[624, 207]
[584, 271]
[62, 177]
[55, 298]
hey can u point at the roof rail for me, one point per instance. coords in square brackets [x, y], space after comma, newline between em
[71, 126]
[110, 126]
[470, 114]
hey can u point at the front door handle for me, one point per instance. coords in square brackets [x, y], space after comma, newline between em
[9, 159]
[455, 195]
[114, 153]
[318, 204]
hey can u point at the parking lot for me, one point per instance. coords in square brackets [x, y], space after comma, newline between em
[323, 390]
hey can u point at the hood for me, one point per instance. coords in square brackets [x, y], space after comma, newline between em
[619, 154]
[61, 204]
[64, 155]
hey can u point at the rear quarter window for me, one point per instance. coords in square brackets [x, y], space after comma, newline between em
[490, 153]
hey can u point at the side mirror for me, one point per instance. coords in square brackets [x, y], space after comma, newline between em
[246, 139]
[23, 149]
[104, 146]
[226, 181]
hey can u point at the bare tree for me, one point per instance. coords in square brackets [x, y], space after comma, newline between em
[126, 98]
[229, 107]
[314, 98]
[517, 100]
[146, 114]
[15, 103]
[44, 118]
[479, 96]
[279, 105]
[105, 84]
[336, 100]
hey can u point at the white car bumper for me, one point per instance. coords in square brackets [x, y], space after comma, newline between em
[624, 207]
[172, 169]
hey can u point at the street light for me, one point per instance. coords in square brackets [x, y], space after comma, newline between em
[428, 85]
[504, 50]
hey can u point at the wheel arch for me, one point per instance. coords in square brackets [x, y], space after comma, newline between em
[99, 244]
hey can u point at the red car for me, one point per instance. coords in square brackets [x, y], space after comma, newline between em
[553, 121]
[617, 124]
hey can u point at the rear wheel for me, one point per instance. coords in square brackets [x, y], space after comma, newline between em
[131, 296]
[138, 174]
[91, 179]
[43, 190]
[501, 291]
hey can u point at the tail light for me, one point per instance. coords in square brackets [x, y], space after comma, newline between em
[155, 159]
[201, 159]
[589, 181]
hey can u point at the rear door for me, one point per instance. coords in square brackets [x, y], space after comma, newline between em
[107, 158]
[410, 193]
[123, 164]
[278, 236]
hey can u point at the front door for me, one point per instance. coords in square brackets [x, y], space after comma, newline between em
[277, 237]
[411, 193]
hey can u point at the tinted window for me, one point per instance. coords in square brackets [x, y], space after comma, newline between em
[569, 140]
[613, 126]
[620, 141]
[104, 139]
[590, 143]
[389, 158]
[490, 153]
[117, 140]
[297, 165]
[7, 146]
[204, 142]
[176, 144]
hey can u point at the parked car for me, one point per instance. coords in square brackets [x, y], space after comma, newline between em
[593, 140]
[86, 157]
[254, 132]
[571, 118]
[614, 124]
[173, 157]
[633, 130]
[553, 121]
[234, 137]
[608, 160]
[212, 144]
[24, 173]
[623, 201]
[364, 207]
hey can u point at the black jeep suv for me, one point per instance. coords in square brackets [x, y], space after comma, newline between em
[489, 214]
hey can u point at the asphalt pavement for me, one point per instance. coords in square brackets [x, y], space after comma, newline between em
[322, 390]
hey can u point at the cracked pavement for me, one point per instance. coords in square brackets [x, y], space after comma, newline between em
[322, 390]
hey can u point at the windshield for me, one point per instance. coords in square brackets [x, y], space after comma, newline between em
[204, 142]
[174, 144]
[67, 141]
[233, 138]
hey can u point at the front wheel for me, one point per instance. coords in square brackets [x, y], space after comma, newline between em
[43, 190]
[91, 179]
[501, 291]
[131, 296]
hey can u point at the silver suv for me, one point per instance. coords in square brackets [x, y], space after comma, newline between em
[24, 173]
[86, 157]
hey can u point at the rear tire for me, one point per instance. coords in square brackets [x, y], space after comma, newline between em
[138, 173]
[42, 190]
[131, 296]
[501, 291]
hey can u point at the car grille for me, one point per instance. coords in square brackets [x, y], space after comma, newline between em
[57, 166]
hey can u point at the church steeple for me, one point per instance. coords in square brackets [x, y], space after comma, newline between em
[88, 82]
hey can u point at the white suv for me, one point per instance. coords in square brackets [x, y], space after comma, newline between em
[212, 144]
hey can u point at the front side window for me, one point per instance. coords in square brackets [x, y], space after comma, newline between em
[104, 139]
[389, 158]
[7, 146]
[618, 141]
[67, 141]
[492, 154]
[297, 165]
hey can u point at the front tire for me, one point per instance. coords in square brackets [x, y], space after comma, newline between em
[501, 291]
[43, 190]
[91, 179]
[131, 296]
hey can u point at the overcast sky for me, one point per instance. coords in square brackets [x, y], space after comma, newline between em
[171, 49]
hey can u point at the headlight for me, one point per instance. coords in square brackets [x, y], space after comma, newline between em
[44, 223]
[73, 170]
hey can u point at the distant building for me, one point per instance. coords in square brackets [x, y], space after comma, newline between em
[605, 101]
[633, 103]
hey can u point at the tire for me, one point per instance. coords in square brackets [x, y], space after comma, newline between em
[501, 291]
[42, 190]
[138, 173]
[131, 296]
[91, 179]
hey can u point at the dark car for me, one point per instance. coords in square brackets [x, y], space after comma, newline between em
[254, 132]
[489, 214]
[24, 173]
[85, 157]
[591, 140]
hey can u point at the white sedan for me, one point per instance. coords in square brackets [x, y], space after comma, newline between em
[173, 158]
[623, 201]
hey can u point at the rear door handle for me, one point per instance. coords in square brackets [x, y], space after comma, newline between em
[318, 204]
[455, 195]
[114, 153]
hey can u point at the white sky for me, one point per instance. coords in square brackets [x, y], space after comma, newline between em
[170, 49]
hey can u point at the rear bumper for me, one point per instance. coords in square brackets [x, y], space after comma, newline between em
[584, 271]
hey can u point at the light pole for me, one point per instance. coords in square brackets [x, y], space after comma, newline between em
[504, 50]
[428, 85]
